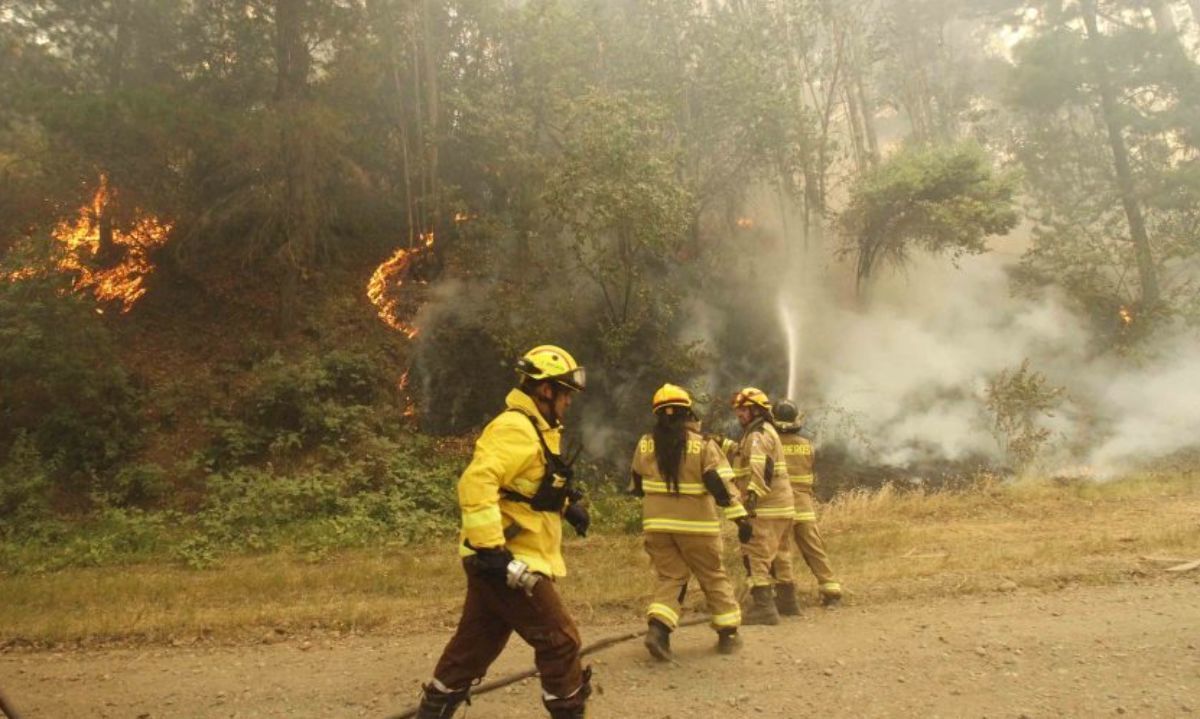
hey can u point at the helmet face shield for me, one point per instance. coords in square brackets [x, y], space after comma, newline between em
[548, 362]
[575, 380]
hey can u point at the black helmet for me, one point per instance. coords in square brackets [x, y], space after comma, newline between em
[786, 411]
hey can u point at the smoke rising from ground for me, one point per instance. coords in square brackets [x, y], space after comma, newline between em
[905, 379]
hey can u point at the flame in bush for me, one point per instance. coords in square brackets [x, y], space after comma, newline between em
[1126, 316]
[80, 241]
[383, 289]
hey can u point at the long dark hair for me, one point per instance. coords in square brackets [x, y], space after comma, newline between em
[670, 442]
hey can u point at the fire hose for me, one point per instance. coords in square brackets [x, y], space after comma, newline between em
[520, 676]
[7, 709]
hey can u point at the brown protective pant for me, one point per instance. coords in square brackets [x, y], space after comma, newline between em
[491, 613]
[770, 534]
[807, 538]
[676, 558]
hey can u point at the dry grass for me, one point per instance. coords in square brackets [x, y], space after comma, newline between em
[886, 545]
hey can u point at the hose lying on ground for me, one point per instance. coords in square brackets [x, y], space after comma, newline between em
[6, 708]
[519, 676]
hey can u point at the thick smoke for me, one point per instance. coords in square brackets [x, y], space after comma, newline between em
[908, 372]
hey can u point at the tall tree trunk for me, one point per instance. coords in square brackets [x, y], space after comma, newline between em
[1147, 274]
[107, 252]
[854, 122]
[433, 112]
[1195, 5]
[299, 212]
[868, 114]
[387, 30]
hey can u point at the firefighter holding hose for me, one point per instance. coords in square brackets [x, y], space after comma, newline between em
[761, 474]
[514, 495]
[688, 486]
[798, 451]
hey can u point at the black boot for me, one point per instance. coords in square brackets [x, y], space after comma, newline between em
[658, 640]
[785, 599]
[728, 641]
[762, 607]
[574, 706]
[436, 704]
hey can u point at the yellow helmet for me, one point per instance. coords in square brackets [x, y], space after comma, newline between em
[670, 395]
[553, 363]
[752, 396]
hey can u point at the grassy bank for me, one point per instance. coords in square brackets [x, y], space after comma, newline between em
[886, 545]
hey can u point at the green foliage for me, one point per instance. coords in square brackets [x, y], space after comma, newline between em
[327, 402]
[61, 381]
[400, 491]
[1019, 400]
[24, 488]
[944, 200]
[1067, 137]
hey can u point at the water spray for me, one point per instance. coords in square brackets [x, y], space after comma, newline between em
[793, 344]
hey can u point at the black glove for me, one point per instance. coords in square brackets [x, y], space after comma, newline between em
[489, 562]
[579, 518]
[751, 503]
[745, 531]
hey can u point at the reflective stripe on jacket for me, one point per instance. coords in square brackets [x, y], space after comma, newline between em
[798, 451]
[762, 469]
[508, 456]
[691, 510]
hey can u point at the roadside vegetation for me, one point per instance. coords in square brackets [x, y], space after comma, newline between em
[887, 544]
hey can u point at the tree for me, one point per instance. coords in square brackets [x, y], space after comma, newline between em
[943, 199]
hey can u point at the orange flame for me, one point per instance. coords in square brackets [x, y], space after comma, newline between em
[123, 282]
[1126, 316]
[745, 223]
[389, 277]
[80, 243]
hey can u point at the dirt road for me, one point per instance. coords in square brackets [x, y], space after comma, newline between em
[1131, 650]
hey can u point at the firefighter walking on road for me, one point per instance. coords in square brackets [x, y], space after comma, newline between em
[514, 495]
[687, 485]
[806, 538]
[761, 474]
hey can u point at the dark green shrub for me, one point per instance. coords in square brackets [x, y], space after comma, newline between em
[61, 382]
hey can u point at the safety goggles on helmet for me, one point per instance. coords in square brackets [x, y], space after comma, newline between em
[548, 362]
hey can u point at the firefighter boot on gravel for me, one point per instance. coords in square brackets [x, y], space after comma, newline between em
[785, 600]
[574, 706]
[658, 641]
[728, 641]
[762, 607]
[437, 704]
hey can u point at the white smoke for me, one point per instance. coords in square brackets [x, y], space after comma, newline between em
[912, 369]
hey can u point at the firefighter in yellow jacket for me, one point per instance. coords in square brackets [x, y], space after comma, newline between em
[514, 495]
[798, 451]
[761, 474]
[685, 478]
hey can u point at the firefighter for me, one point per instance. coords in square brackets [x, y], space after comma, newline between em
[684, 478]
[514, 495]
[761, 474]
[798, 451]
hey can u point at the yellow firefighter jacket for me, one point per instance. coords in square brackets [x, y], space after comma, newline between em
[760, 467]
[693, 510]
[798, 451]
[508, 456]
